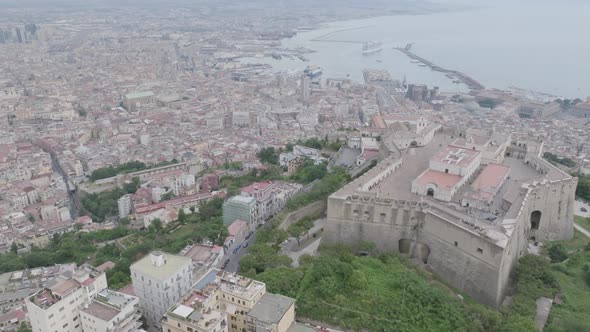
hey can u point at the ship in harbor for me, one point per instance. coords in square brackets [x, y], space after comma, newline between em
[313, 71]
[372, 47]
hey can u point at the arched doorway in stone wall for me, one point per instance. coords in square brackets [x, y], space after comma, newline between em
[535, 219]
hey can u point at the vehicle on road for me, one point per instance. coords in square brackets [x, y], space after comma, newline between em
[225, 264]
[246, 245]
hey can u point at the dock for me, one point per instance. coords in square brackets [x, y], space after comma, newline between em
[465, 79]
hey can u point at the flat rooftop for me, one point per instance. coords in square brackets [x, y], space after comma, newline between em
[441, 179]
[239, 285]
[101, 311]
[455, 155]
[271, 308]
[173, 264]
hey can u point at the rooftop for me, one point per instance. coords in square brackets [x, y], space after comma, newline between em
[172, 264]
[101, 311]
[454, 155]
[139, 94]
[271, 308]
[440, 179]
[239, 285]
[242, 199]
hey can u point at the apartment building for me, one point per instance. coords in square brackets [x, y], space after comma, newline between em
[227, 302]
[111, 311]
[264, 193]
[56, 308]
[240, 207]
[159, 280]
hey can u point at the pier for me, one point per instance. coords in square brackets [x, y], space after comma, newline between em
[320, 38]
[467, 80]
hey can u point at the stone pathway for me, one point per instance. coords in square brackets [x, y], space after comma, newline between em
[582, 230]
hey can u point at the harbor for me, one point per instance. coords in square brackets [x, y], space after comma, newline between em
[458, 76]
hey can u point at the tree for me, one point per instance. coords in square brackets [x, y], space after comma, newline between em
[14, 248]
[487, 103]
[155, 226]
[268, 155]
[24, 327]
[181, 216]
[124, 221]
[557, 253]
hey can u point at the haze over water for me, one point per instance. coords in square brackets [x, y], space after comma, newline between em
[539, 46]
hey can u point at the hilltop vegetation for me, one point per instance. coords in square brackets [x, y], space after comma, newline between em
[126, 168]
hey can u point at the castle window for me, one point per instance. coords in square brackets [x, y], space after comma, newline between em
[456, 244]
[479, 250]
[382, 217]
[355, 213]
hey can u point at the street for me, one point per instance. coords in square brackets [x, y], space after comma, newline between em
[578, 205]
[234, 259]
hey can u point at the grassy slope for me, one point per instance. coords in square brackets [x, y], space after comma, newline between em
[575, 292]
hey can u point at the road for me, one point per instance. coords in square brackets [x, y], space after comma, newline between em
[578, 205]
[581, 230]
[234, 259]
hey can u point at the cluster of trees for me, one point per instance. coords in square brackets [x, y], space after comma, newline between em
[560, 160]
[487, 103]
[270, 155]
[102, 205]
[301, 226]
[232, 165]
[309, 172]
[328, 184]
[66, 248]
[568, 103]
[583, 189]
[316, 143]
[235, 183]
[128, 167]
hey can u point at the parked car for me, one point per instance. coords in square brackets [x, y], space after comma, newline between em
[583, 209]
[246, 245]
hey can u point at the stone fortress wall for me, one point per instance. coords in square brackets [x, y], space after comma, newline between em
[470, 255]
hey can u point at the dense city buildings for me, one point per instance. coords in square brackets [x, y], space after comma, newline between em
[146, 120]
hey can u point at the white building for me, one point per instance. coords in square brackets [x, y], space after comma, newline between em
[124, 204]
[64, 214]
[57, 307]
[111, 311]
[159, 280]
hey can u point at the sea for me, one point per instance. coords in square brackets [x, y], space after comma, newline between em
[539, 45]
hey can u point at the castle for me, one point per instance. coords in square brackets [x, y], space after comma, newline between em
[465, 203]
